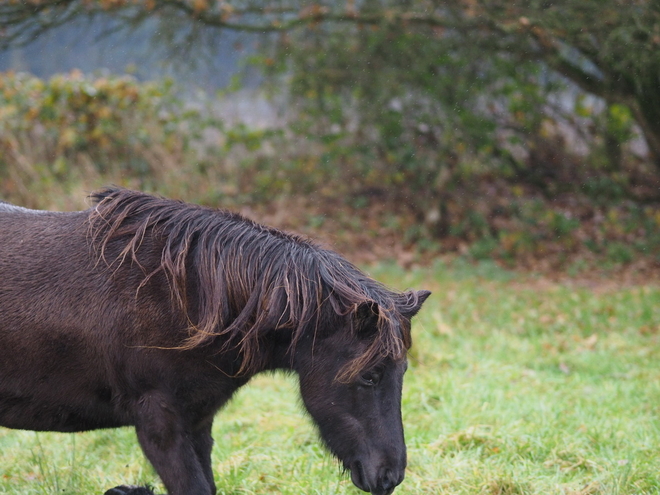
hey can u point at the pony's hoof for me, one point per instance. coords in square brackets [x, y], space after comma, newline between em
[129, 490]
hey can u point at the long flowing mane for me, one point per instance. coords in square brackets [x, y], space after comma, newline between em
[251, 279]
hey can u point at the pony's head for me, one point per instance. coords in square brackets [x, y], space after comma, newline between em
[351, 377]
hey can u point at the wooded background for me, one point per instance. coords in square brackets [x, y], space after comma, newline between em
[526, 131]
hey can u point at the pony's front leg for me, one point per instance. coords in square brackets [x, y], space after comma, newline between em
[203, 444]
[179, 454]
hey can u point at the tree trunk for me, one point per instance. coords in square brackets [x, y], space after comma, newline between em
[646, 109]
[650, 129]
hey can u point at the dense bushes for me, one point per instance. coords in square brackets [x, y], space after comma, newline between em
[75, 129]
[382, 187]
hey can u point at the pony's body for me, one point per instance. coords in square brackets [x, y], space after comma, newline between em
[152, 313]
[62, 320]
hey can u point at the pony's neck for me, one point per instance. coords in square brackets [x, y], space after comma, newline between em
[277, 356]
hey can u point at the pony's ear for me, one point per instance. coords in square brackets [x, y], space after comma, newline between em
[366, 319]
[415, 301]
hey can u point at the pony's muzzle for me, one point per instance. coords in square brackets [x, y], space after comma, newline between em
[383, 483]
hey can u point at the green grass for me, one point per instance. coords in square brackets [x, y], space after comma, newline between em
[514, 387]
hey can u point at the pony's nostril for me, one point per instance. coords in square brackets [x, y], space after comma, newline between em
[388, 482]
[358, 477]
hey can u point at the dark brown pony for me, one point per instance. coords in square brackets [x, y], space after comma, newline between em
[150, 312]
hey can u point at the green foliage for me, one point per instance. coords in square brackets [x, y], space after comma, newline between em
[64, 137]
[620, 253]
[405, 108]
[607, 48]
[484, 248]
[426, 118]
[75, 125]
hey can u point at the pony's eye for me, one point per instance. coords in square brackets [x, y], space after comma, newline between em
[370, 378]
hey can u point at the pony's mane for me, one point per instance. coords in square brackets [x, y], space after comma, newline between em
[251, 279]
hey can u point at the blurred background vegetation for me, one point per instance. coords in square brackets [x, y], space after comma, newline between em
[527, 132]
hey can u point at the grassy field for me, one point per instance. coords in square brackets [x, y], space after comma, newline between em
[515, 386]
